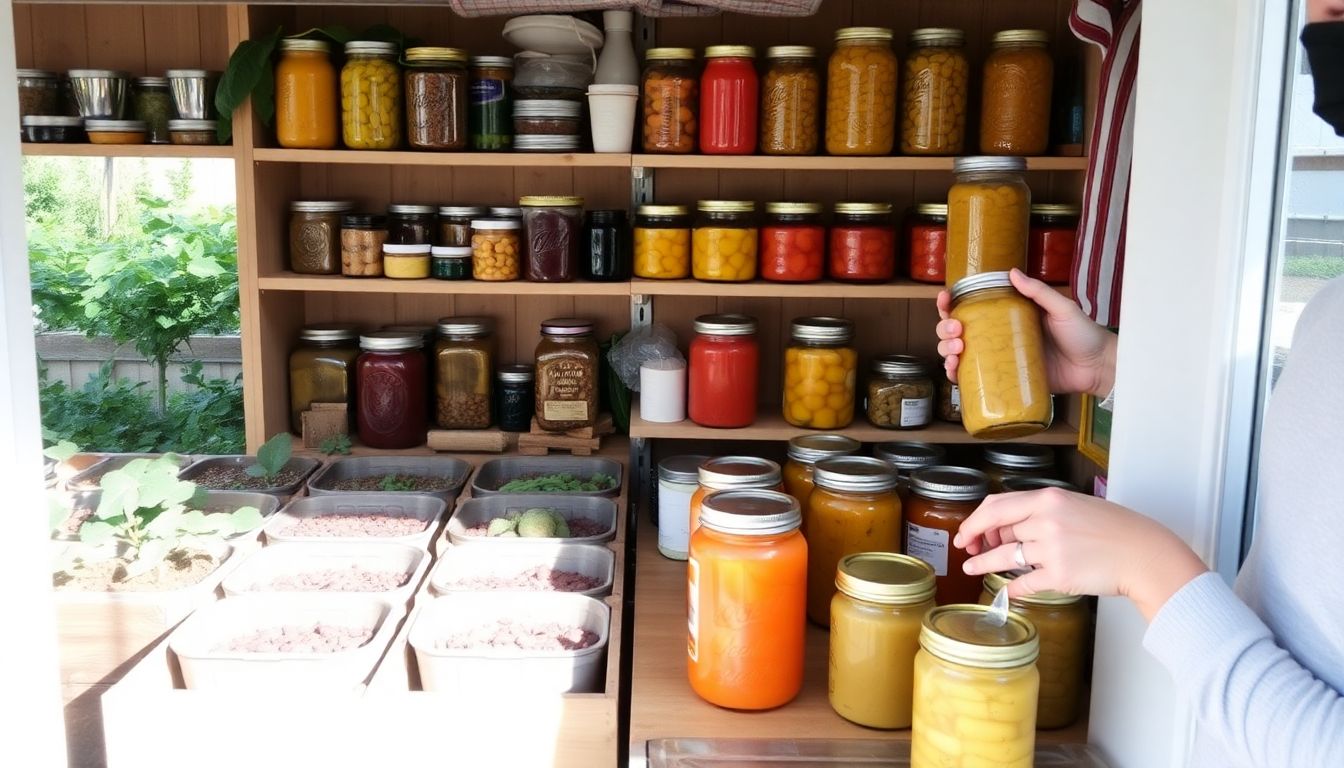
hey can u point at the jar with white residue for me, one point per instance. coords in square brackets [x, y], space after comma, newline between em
[678, 480]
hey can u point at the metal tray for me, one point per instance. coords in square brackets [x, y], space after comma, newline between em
[429, 509]
[473, 512]
[215, 502]
[589, 560]
[89, 479]
[322, 483]
[497, 472]
[306, 465]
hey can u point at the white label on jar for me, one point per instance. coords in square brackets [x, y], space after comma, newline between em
[693, 609]
[674, 518]
[956, 397]
[929, 545]
[915, 411]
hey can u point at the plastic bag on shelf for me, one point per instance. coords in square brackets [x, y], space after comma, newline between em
[657, 342]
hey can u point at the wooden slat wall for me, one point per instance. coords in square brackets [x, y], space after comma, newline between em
[142, 39]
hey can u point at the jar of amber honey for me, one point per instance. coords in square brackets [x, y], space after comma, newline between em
[988, 217]
[853, 508]
[1015, 95]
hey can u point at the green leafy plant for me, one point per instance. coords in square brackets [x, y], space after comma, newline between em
[392, 483]
[336, 444]
[62, 450]
[272, 457]
[207, 418]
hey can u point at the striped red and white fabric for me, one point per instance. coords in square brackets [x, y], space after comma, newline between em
[1113, 26]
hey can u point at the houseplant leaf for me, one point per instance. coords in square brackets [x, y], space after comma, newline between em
[246, 72]
[96, 533]
[246, 519]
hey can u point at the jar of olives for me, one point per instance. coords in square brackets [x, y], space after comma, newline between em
[371, 96]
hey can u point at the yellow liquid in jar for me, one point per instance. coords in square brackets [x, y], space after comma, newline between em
[873, 649]
[1063, 630]
[819, 387]
[1002, 375]
[969, 718]
[724, 254]
[840, 524]
[987, 227]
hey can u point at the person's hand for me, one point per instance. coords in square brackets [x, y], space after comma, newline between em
[1325, 10]
[1077, 545]
[1079, 354]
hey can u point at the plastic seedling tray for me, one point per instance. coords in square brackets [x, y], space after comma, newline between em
[305, 465]
[426, 509]
[457, 470]
[487, 562]
[497, 472]
[89, 479]
[474, 512]
[256, 572]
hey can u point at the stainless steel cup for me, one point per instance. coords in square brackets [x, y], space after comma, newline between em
[194, 93]
[100, 93]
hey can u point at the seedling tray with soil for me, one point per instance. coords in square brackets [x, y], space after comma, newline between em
[439, 476]
[405, 519]
[567, 475]
[229, 473]
[390, 571]
[583, 568]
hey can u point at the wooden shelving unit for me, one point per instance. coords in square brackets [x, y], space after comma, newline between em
[338, 284]
[832, 163]
[450, 159]
[127, 150]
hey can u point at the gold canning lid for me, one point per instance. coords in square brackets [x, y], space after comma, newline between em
[432, 55]
[669, 54]
[885, 577]
[550, 201]
[725, 206]
[996, 581]
[953, 633]
[1021, 37]
[937, 36]
[663, 210]
[790, 52]
[863, 208]
[931, 209]
[794, 208]
[863, 33]
[730, 51]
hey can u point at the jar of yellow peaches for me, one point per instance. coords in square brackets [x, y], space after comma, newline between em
[1004, 391]
[790, 101]
[861, 93]
[1015, 96]
[934, 120]
[988, 217]
[1064, 625]
[853, 508]
[723, 244]
[975, 690]
[819, 373]
[371, 96]
[663, 242]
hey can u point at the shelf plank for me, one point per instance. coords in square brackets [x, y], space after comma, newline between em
[126, 150]
[833, 163]
[765, 289]
[339, 284]
[449, 159]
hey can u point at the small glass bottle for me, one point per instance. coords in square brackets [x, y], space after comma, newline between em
[307, 97]
[804, 452]
[464, 366]
[723, 366]
[863, 243]
[988, 217]
[790, 101]
[926, 243]
[390, 385]
[552, 228]
[861, 93]
[853, 508]
[678, 480]
[436, 98]
[936, 75]
[723, 244]
[515, 397]
[940, 500]
[671, 101]
[567, 366]
[793, 243]
[604, 250]
[410, 224]
[819, 372]
[1002, 461]
[322, 370]
[371, 96]
[490, 117]
[154, 106]
[454, 225]
[663, 242]
[900, 393]
[1016, 88]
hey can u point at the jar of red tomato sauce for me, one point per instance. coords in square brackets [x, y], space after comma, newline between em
[729, 101]
[793, 243]
[724, 364]
[863, 243]
[391, 391]
[926, 243]
[1050, 245]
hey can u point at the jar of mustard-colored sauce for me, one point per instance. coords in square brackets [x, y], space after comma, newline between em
[804, 453]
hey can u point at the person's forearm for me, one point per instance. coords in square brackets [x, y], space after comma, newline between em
[1162, 571]
[1106, 369]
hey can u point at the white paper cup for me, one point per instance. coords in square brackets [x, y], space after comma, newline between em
[662, 391]
[612, 113]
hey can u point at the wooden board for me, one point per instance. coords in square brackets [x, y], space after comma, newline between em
[142, 39]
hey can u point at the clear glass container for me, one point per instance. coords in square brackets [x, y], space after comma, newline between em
[936, 75]
[464, 358]
[567, 368]
[362, 239]
[1015, 94]
[940, 500]
[723, 244]
[733, 473]
[671, 101]
[678, 480]
[663, 242]
[949, 400]
[552, 228]
[490, 117]
[1002, 461]
[406, 262]
[804, 452]
[315, 236]
[1052, 241]
[729, 101]
[322, 370]
[436, 98]
[307, 96]
[495, 249]
[793, 243]
[39, 93]
[988, 217]
[371, 96]
[454, 225]
[863, 243]
[853, 508]
[861, 93]
[820, 367]
[790, 101]
[605, 247]
[900, 393]
[390, 386]
[723, 370]
[410, 224]
[450, 263]
[153, 104]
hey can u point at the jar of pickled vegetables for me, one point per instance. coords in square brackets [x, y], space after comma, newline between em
[1051, 242]
[371, 96]
[315, 236]
[454, 225]
[975, 690]
[734, 473]
[793, 243]
[746, 585]
[940, 500]
[436, 98]
[322, 370]
[988, 217]
[671, 101]
[678, 480]
[1015, 94]
[926, 243]
[390, 388]
[861, 93]
[464, 365]
[1004, 390]
[790, 101]
[863, 243]
[1002, 461]
[819, 373]
[723, 244]
[900, 393]
[936, 76]
[728, 101]
[804, 453]
[722, 371]
[907, 458]
[552, 228]
[663, 242]
[853, 508]
[876, 617]
[307, 113]
[495, 248]
[949, 400]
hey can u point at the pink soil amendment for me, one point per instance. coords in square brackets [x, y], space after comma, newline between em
[319, 638]
[539, 578]
[579, 528]
[346, 525]
[516, 636]
[352, 579]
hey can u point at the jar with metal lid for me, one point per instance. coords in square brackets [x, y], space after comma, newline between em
[678, 480]
[153, 104]
[371, 96]
[53, 129]
[790, 101]
[39, 93]
[490, 117]
[936, 75]
[1004, 390]
[604, 250]
[390, 387]
[900, 393]
[464, 366]
[949, 400]
[315, 236]
[515, 397]
[966, 668]
[853, 508]
[1004, 460]
[863, 243]
[307, 110]
[546, 124]
[671, 101]
[1015, 104]
[1014, 484]
[553, 227]
[723, 369]
[861, 93]
[723, 244]
[200, 133]
[410, 224]
[988, 217]
[1063, 623]
[495, 249]
[820, 367]
[322, 370]
[746, 584]
[567, 365]
[940, 500]
[362, 238]
[793, 243]
[804, 452]
[908, 458]
[406, 262]
[450, 263]
[436, 98]
[926, 243]
[729, 105]
[1051, 242]
[734, 473]
[454, 225]
[506, 212]
[876, 617]
[663, 242]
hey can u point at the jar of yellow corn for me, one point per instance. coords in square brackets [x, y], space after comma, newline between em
[988, 217]
[1004, 391]
[819, 373]
[371, 96]
[934, 118]
[861, 93]
[723, 244]
[663, 242]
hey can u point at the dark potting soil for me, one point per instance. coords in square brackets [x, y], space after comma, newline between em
[235, 478]
[181, 568]
[406, 483]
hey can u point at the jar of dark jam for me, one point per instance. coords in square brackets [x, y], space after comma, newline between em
[605, 251]
[410, 224]
[515, 397]
[455, 225]
[552, 230]
[391, 377]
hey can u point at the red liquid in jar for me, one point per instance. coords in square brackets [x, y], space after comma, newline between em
[728, 107]
[793, 254]
[722, 380]
[927, 261]
[392, 396]
[863, 254]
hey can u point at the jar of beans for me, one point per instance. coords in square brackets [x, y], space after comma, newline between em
[926, 242]
[793, 243]
[495, 249]
[671, 101]
[1050, 247]
[663, 242]
[790, 101]
[371, 96]
[362, 238]
[863, 243]
[934, 121]
[723, 245]
[988, 217]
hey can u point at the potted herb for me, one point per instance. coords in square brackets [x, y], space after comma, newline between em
[273, 470]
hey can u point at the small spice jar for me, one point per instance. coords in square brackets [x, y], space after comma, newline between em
[729, 102]
[314, 236]
[853, 508]
[733, 473]
[988, 217]
[362, 238]
[464, 367]
[551, 233]
[495, 248]
[406, 262]
[723, 366]
[936, 74]
[678, 480]
[793, 243]
[1016, 460]
[153, 104]
[863, 243]
[804, 452]
[490, 117]
[900, 393]
[940, 500]
[671, 101]
[322, 370]
[790, 101]
[436, 98]
[39, 93]
[1015, 94]
[194, 132]
[371, 96]
[604, 250]
[410, 224]
[926, 243]
[515, 397]
[52, 129]
[861, 93]
[819, 373]
[454, 224]
[662, 242]
[907, 458]
[390, 385]
[723, 243]
[949, 400]
[567, 365]
[1051, 242]
[450, 263]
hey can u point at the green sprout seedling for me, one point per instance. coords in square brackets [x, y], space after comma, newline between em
[394, 483]
[272, 457]
[336, 444]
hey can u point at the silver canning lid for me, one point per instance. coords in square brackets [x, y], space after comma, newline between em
[188, 74]
[558, 108]
[462, 211]
[545, 141]
[1020, 456]
[472, 327]
[937, 36]
[823, 329]
[506, 212]
[35, 74]
[727, 472]
[955, 633]
[424, 332]
[900, 365]
[790, 52]
[681, 469]
[503, 62]
[1036, 483]
[112, 73]
[809, 449]
[566, 326]
[151, 82]
[301, 44]
[947, 483]
[909, 456]
[854, 474]
[988, 163]
[725, 325]
[750, 513]
[192, 125]
[329, 332]
[415, 210]
[116, 126]
[1021, 36]
[321, 206]
[515, 373]
[371, 47]
[981, 282]
[390, 341]
[52, 121]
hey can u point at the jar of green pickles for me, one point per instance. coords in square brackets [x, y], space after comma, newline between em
[154, 105]
[322, 370]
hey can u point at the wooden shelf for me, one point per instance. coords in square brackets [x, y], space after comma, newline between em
[127, 150]
[832, 163]
[337, 284]
[765, 289]
[450, 159]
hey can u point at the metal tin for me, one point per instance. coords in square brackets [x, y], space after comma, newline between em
[496, 473]
[455, 471]
[725, 325]
[727, 472]
[950, 633]
[996, 581]
[854, 474]
[305, 466]
[809, 449]
[1020, 456]
[827, 330]
[750, 513]
[886, 578]
[390, 341]
[946, 483]
[910, 456]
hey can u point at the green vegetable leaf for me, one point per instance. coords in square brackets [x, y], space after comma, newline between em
[203, 267]
[149, 556]
[61, 450]
[245, 519]
[272, 456]
[248, 73]
[96, 533]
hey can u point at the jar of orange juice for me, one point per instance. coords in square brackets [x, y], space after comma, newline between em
[734, 473]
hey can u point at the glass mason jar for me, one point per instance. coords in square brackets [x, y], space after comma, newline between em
[940, 500]
[495, 249]
[793, 243]
[678, 480]
[988, 217]
[604, 251]
[853, 508]
[450, 263]
[790, 101]
[804, 452]
[410, 224]
[876, 617]
[1012, 484]
[1004, 460]
[406, 262]
[961, 662]
[307, 108]
[936, 75]
[949, 401]
[515, 397]
[671, 101]
[322, 370]
[1004, 390]
[390, 385]
[1051, 242]
[454, 225]
[861, 93]
[552, 227]
[819, 372]
[663, 242]
[907, 458]
[490, 116]
[371, 96]
[723, 244]
[362, 238]
[729, 101]
[926, 243]
[1015, 95]
[567, 365]
[436, 98]
[900, 393]
[733, 473]
[723, 369]
[863, 243]
[315, 236]
[464, 359]
[746, 585]
[153, 105]
[39, 93]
